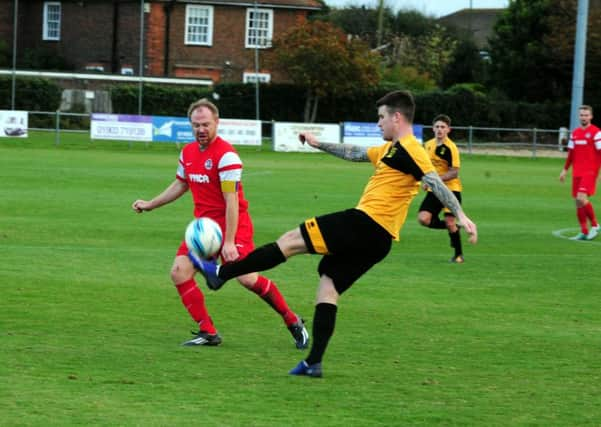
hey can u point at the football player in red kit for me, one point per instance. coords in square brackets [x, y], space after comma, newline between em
[212, 170]
[584, 155]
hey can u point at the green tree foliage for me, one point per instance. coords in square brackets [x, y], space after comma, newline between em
[527, 60]
[32, 94]
[560, 40]
[359, 21]
[406, 77]
[429, 53]
[320, 57]
[465, 65]
[411, 23]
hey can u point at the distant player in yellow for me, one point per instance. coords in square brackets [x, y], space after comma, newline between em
[445, 158]
[354, 240]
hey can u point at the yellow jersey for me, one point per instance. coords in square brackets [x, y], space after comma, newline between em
[444, 157]
[400, 166]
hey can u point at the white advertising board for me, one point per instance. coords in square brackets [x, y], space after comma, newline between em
[13, 123]
[285, 135]
[240, 132]
[123, 127]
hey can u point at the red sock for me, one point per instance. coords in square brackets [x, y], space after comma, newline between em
[590, 214]
[194, 301]
[581, 213]
[270, 293]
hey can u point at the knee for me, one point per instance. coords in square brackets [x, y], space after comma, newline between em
[451, 224]
[180, 272]
[424, 218]
[327, 292]
[581, 202]
[292, 243]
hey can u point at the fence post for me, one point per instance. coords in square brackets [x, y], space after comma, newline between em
[470, 135]
[534, 143]
[57, 128]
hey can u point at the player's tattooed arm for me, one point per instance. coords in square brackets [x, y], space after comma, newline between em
[442, 192]
[349, 152]
[353, 153]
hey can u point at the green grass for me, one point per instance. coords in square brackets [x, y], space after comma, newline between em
[90, 326]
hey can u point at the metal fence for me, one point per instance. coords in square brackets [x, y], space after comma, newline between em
[473, 139]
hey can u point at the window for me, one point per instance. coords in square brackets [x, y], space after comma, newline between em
[52, 21]
[199, 25]
[254, 77]
[259, 28]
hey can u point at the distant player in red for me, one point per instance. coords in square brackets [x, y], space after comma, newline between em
[584, 155]
[212, 170]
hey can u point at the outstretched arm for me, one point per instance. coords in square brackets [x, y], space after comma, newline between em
[174, 191]
[448, 199]
[353, 153]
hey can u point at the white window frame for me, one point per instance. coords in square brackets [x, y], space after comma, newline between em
[252, 77]
[209, 10]
[45, 31]
[269, 29]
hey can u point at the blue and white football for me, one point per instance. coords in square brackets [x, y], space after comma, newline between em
[204, 237]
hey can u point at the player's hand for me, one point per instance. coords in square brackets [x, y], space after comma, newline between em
[141, 205]
[309, 138]
[425, 186]
[229, 252]
[469, 227]
[562, 176]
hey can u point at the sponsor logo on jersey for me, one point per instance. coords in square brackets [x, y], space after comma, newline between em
[209, 164]
[199, 178]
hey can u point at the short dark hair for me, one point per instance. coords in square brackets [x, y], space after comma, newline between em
[442, 118]
[586, 107]
[400, 101]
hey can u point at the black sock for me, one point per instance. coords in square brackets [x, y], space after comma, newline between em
[263, 258]
[324, 321]
[456, 242]
[437, 223]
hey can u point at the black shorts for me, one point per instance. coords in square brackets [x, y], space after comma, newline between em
[351, 243]
[432, 204]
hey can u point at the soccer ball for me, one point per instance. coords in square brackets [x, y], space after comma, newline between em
[204, 237]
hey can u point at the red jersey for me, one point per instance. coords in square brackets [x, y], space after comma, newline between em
[584, 151]
[204, 171]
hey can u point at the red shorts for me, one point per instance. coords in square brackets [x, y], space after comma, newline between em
[244, 236]
[584, 184]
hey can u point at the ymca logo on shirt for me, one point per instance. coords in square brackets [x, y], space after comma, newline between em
[199, 178]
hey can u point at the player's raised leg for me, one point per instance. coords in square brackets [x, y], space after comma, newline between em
[262, 258]
[182, 275]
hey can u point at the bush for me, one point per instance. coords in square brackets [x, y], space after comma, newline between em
[466, 104]
[31, 94]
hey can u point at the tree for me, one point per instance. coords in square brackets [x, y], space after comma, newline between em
[429, 53]
[532, 50]
[465, 66]
[321, 58]
[561, 45]
[359, 21]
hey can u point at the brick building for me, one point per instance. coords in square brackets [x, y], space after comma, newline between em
[207, 39]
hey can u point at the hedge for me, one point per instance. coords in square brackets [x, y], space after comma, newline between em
[31, 94]
[283, 102]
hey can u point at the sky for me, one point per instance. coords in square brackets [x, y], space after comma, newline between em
[435, 8]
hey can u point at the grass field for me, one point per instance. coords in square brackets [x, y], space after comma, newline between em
[90, 326]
